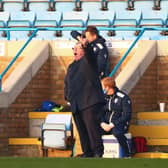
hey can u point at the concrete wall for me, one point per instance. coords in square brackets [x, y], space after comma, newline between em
[23, 73]
[47, 84]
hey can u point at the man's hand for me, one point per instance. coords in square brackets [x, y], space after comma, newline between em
[107, 127]
[83, 41]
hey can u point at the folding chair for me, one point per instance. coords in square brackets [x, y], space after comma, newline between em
[57, 133]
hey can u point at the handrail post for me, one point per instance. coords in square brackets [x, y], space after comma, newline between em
[125, 55]
[8, 34]
[73, 28]
[17, 55]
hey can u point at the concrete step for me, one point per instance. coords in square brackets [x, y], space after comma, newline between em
[137, 65]
[4, 63]
[152, 115]
[31, 147]
[35, 56]
[152, 155]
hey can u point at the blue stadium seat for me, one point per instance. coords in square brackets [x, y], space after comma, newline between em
[117, 5]
[64, 6]
[25, 19]
[160, 38]
[166, 22]
[127, 19]
[117, 38]
[164, 5]
[143, 5]
[124, 34]
[73, 19]
[11, 5]
[151, 35]
[91, 6]
[145, 38]
[47, 19]
[38, 5]
[153, 18]
[4, 17]
[21, 19]
[101, 19]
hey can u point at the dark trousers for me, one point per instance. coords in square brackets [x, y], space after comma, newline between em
[124, 143]
[88, 125]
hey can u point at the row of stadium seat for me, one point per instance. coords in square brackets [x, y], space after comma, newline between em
[101, 18]
[83, 19]
[58, 5]
[52, 35]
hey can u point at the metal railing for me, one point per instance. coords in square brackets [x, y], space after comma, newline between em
[35, 30]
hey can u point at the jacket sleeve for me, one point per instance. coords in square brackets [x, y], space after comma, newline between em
[102, 59]
[90, 55]
[126, 112]
[75, 34]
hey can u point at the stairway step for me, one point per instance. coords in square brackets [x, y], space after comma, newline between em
[43, 115]
[4, 63]
[152, 115]
[31, 147]
[149, 131]
[151, 155]
[24, 141]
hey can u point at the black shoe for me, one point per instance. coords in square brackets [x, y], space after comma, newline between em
[83, 155]
[127, 155]
[97, 156]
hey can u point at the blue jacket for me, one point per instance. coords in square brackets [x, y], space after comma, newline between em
[118, 110]
[100, 51]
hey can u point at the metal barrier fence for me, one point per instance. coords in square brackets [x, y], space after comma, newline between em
[35, 30]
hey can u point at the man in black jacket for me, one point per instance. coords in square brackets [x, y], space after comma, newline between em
[117, 113]
[98, 46]
[84, 92]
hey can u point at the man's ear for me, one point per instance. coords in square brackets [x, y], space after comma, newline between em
[95, 36]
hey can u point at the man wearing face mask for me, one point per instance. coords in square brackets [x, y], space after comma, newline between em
[98, 46]
[117, 113]
[84, 92]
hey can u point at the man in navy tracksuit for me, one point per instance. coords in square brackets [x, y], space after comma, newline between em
[117, 113]
[98, 46]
